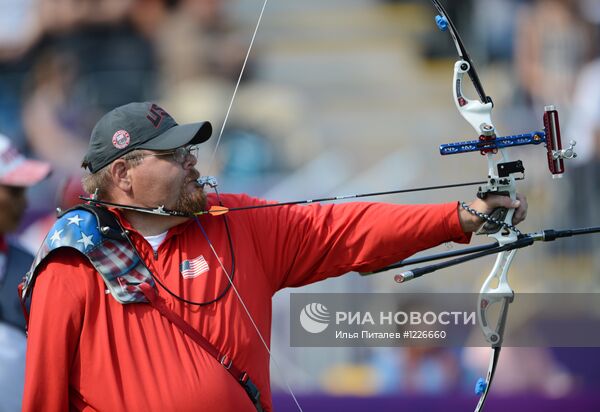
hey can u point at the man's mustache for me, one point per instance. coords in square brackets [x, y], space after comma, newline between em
[195, 175]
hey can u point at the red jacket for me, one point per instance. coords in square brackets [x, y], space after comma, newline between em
[88, 352]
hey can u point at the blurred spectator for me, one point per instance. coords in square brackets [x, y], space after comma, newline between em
[553, 41]
[79, 73]
[27, 29]
[90, 56]
[16, 174]
[584, 174]
[53, 117]
[417, 369]
[199, 40]
[584, 125]
[201, 51]
[66, 15]
[413, 370]
[18, 31]
[67, 196]
[591, 10]
[494, 27]
[19, 27]
[539, 372]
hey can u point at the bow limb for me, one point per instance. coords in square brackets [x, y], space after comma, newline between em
[444, 23]
[486, 384]
[500, 295]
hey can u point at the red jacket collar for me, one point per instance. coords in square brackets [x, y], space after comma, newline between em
[175, 230]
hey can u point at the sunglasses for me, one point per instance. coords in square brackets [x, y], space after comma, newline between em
[180, 155]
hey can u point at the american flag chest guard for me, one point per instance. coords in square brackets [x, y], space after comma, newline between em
[95, 232]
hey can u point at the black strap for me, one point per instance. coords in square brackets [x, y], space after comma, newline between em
[240, 376]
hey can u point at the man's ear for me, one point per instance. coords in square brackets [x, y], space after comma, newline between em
[121, 176]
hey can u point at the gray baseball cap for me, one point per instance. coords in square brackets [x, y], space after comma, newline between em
[139, 126]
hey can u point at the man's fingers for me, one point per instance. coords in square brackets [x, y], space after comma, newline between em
[488, 205]
[521, 212]
[519, 204]
[503, 201]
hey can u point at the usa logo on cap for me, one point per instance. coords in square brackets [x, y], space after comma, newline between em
[120, 139]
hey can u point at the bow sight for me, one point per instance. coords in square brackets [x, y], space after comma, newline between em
[550, 136]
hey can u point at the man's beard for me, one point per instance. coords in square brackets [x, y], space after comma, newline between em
[191, 202]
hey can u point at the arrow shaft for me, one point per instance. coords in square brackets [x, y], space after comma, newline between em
[167, 212]
[352, 196]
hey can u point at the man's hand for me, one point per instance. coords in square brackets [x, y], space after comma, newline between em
[471, 223]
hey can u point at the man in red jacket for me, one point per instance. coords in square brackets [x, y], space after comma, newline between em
[90, 348]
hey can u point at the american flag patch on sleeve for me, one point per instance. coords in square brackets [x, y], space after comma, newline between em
[193, 268]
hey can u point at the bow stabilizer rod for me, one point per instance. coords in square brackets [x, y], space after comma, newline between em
[429, 258]
[476, 252]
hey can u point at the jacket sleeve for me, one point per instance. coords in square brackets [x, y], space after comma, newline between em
[57, 311]
[299, 245]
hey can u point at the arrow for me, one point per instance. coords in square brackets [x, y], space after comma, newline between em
[221, 210]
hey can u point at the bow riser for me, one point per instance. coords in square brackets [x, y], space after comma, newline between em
[477, 113]
[500, 181]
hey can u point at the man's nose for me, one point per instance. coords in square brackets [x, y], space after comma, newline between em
[190, 161]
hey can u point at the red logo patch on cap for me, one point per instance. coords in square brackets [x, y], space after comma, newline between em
[120, 139]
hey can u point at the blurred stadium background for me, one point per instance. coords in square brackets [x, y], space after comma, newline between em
[339, 97]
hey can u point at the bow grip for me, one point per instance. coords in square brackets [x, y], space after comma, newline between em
[489, 227]
[499, 214]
